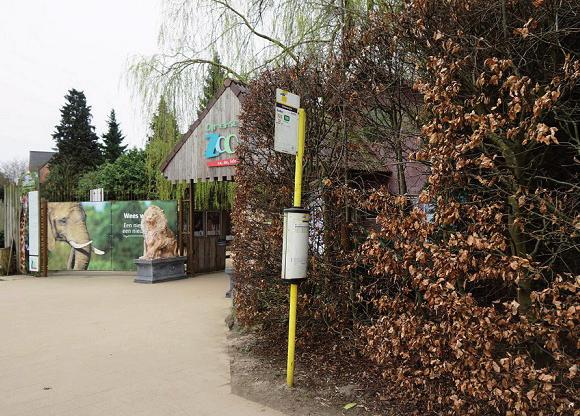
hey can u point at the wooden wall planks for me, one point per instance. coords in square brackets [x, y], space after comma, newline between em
[190, 162]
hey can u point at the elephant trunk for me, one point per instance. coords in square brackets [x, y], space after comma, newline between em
[80, 250]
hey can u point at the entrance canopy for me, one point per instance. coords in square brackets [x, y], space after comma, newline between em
[207, 152]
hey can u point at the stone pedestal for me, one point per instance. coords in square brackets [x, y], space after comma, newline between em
[160, 270]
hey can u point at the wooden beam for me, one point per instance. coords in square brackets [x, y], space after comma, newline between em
[180, 227]
[191, 235]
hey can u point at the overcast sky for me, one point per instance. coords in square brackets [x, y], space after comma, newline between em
[50, 46]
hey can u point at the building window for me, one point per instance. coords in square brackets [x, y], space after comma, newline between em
[198, 226]
[213, 223]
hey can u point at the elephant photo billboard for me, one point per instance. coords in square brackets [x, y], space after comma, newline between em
[99, 235]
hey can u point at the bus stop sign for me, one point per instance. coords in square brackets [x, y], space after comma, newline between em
[286, 123]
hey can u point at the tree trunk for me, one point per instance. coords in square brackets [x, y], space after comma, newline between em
[397, 123]
[519, 249]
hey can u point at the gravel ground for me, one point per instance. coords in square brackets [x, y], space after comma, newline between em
[98, 344]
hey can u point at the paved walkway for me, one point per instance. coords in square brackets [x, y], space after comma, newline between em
[99, 344]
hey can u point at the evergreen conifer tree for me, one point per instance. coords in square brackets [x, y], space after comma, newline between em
[77, 144]
[112, 140]
[213, 82]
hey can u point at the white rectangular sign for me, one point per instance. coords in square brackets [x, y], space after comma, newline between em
[286, 122]
[287, 98]
[33, 231]
[96, 195]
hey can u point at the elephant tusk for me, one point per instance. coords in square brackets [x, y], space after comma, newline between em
[99, 252]
[76, 245]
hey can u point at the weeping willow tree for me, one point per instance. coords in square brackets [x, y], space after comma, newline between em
[250, 36]
[164, 136]
[214, 195]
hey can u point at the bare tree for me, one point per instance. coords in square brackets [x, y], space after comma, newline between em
[13, 169]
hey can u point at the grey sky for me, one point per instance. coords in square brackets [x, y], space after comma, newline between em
[50, 46]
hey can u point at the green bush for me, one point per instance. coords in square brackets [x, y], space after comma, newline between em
[122, 179]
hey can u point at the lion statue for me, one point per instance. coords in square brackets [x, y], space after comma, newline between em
[158, 239]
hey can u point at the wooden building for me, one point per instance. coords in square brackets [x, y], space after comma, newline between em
[207, 153]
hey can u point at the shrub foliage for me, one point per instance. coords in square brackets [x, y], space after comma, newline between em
[473, 310]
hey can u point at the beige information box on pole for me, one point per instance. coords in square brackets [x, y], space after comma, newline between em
[286, 122]
[295, 244]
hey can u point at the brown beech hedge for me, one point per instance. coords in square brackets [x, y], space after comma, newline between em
[442, 169]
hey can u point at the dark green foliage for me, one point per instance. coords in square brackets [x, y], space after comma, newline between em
[61, 184]
[77, 145]
[136, 174]
[113, 140]
[122, 179]
[213, 82]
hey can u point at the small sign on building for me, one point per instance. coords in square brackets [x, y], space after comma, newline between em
[97, 195]
[286, 122]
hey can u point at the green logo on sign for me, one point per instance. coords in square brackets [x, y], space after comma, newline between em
[286, 118]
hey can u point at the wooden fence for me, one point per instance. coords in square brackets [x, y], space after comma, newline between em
[11, 218]
[11, 214]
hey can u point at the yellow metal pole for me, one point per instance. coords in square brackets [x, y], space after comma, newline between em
[299, 157]
[294, 286]
[291, 334]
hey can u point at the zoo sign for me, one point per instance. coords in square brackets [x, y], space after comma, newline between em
[218, 144]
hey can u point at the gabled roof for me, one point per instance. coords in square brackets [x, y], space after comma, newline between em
[238, 88]
[36, 160]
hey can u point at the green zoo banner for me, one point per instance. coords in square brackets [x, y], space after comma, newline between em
[99, 235]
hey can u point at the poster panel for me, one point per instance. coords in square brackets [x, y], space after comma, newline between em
[99, 235]
[79, 235]
[127, 236]
[33, 231]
